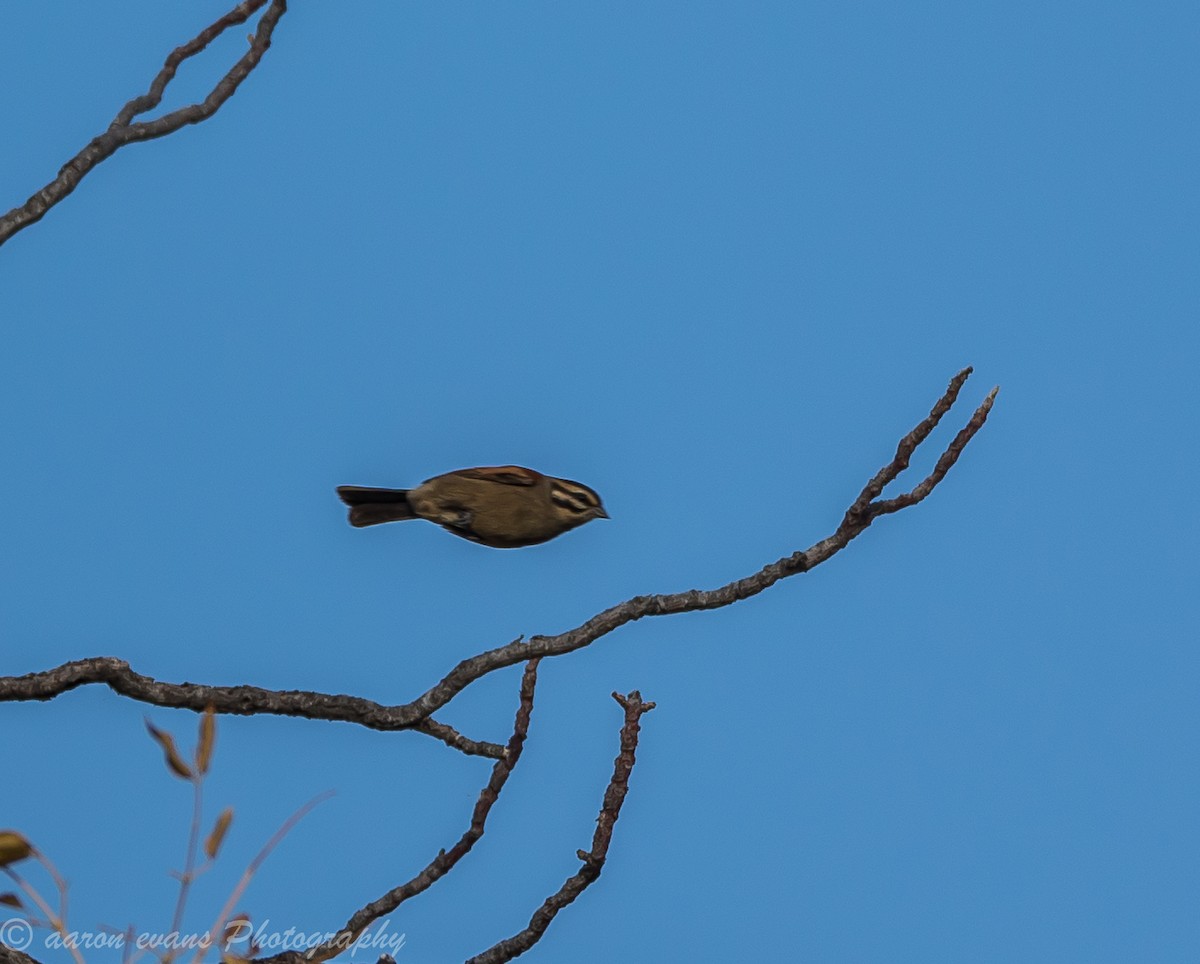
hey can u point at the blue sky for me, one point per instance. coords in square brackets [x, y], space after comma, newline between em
[713, 259]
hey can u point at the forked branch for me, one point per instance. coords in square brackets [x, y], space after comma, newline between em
[868, 506]
[232, 700]
[124, 130]
[446, 859]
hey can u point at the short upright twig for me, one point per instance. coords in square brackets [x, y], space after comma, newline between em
[593, 860]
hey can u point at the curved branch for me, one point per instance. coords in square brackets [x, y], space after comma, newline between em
[593, 860]
[248, 700]
[124, 131]
[857, 519]
[233, 700]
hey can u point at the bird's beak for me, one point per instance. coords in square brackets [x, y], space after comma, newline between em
[601, 514]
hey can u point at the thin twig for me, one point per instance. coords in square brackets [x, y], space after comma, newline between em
[60, 885]
[189, 868]
[56, 922]
[593, 860]
[445, 859]
[123, 130]
[217, 931]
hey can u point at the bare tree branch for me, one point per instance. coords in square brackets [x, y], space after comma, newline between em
[857, 519]
[123, 130]
[233, 700]
[446, 859]
[248, 700]
[452, 738]
[9, 955]
[593, 860]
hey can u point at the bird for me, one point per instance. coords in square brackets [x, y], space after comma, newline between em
[502, 506]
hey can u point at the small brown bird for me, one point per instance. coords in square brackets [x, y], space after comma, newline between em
[503, 506]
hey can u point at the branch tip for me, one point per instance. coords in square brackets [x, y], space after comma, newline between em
[123, 130]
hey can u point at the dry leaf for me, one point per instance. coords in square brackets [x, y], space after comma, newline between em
[213, 844]
[174, 760]
[208, 736]
[13, 847]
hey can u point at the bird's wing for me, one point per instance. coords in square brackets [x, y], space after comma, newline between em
[502, 474]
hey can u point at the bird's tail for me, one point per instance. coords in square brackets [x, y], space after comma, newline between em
[369, 507]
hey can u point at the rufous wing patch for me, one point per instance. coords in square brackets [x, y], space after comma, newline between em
[503, 474]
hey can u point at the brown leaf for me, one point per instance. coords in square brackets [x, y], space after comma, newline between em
[174, 760]
[11, 900]
[213, 844]
[238, 928]
[13, 847]
[208, 736]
